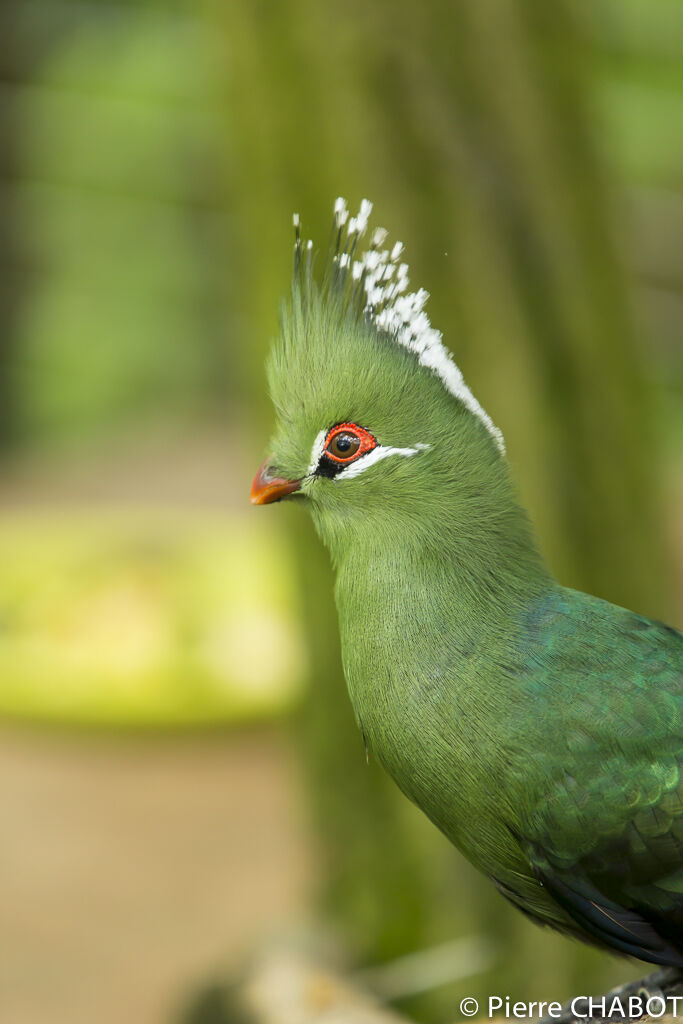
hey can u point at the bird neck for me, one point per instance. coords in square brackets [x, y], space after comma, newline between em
[472, 557]
[432, 601]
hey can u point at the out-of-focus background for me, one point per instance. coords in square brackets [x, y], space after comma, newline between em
[180, 778]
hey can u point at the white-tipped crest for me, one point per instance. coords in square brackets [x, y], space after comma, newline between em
[341, 213]
[392, 309]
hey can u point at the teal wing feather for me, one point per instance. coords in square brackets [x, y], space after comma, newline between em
[603, 824]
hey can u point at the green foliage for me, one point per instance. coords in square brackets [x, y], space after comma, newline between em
[119, 201]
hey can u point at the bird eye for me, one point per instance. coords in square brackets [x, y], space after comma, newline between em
[344, 446]
[346, 442]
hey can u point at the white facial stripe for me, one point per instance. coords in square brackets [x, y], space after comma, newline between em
[316, 451]
[376, 455]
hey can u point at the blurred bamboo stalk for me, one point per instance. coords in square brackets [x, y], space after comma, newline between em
[11, 277]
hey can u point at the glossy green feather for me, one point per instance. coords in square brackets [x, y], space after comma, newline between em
[541, 729]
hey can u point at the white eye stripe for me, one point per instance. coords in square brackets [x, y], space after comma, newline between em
[376, 455]
[317, 451]
[364, 462]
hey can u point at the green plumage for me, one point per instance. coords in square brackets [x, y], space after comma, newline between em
[541, 729]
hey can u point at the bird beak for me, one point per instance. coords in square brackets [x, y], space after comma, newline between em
[266, 488]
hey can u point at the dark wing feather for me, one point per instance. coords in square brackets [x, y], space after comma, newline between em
[604, 828]
[624, 930]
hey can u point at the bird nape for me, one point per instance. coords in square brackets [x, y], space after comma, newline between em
[540, 728]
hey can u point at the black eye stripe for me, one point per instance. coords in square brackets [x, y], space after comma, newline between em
[328, 467]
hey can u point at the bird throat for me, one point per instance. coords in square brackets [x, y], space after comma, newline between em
[425, 615]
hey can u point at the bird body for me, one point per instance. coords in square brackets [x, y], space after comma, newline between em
[539, 728]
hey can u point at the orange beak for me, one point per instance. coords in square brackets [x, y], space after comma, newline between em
[266, 489]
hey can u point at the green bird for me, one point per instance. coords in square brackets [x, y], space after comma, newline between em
[541, 729]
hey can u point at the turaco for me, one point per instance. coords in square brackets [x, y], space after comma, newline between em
[540, 728]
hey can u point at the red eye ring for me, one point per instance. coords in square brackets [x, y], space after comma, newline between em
[366, 443]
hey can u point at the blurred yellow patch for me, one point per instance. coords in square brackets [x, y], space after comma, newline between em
[146, 618]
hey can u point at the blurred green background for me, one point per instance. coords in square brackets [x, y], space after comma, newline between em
[180, 775]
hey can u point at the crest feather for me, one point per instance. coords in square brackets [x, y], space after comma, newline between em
[374, 286]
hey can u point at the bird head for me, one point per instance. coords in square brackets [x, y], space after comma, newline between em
[373, 416]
